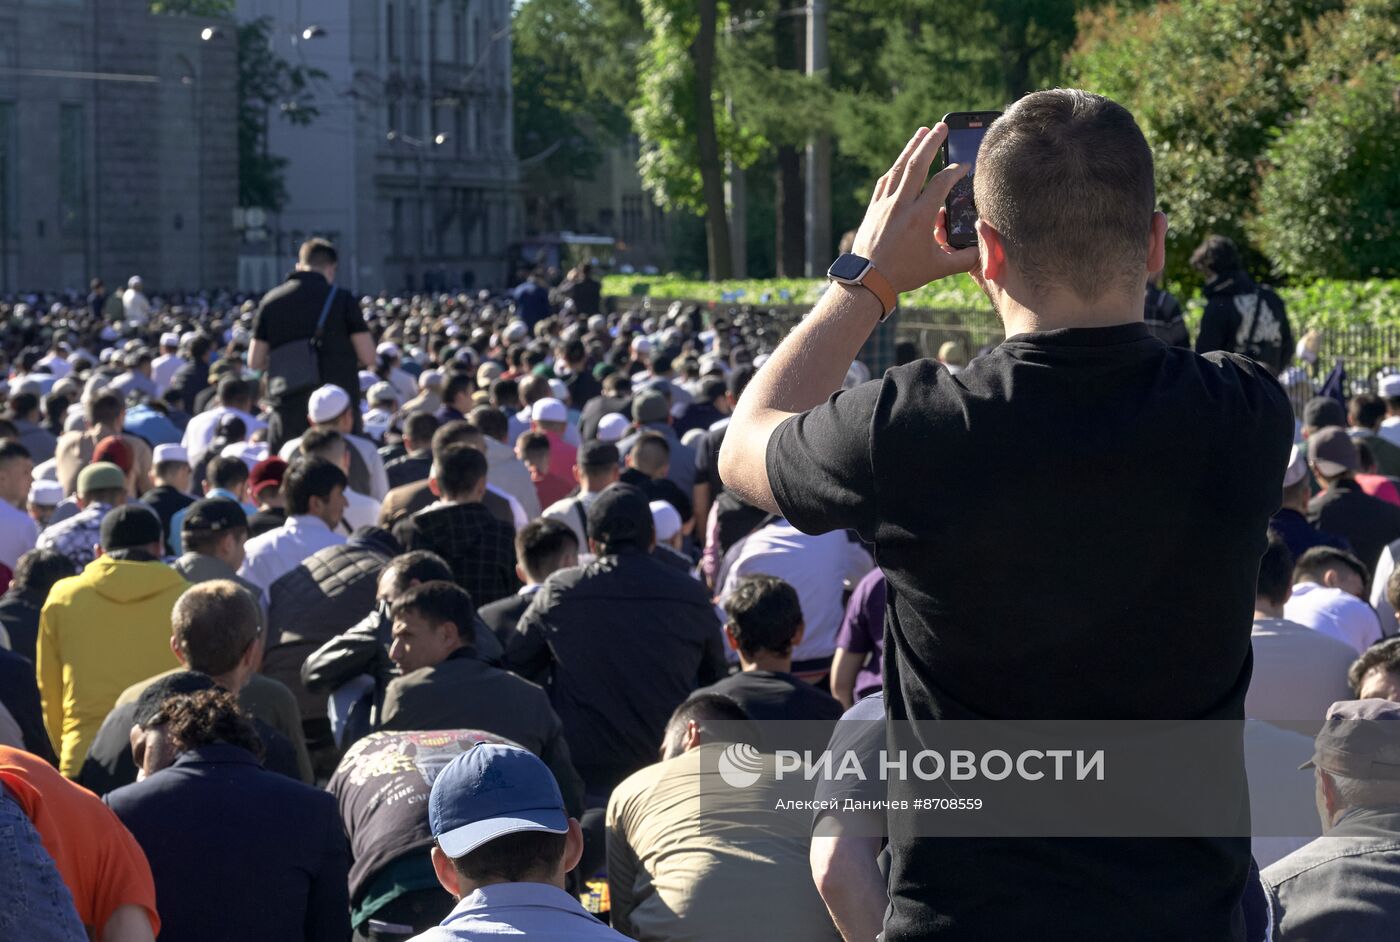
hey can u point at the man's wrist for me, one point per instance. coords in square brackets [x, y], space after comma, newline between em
[862, 298]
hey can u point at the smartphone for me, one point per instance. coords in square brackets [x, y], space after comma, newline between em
[965, 131]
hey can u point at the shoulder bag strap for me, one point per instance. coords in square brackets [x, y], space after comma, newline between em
[321, 321]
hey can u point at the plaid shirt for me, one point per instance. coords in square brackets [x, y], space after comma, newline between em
[479, 548]
[78, 536]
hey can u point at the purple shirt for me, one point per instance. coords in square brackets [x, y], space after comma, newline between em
[863, 630]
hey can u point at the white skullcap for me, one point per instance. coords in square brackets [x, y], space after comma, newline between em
[516, 332]
[429, 379]
[1390, 386]
[613, 427]
[164, 453]
[559, 389]
[45, 493]
[170, 339]
[666, 519]
[382, 392]
[327, 402]
[549, 410]
[1297, 466]
[388, 349]
[133, 281]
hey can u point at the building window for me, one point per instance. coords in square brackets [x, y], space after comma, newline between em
[459, 130]
[391, 33]
[9, 171]
[473, 128]
[396, 232]
[473, 32]
[72, 176]
[458, 25]
[415, 117]
[410, 32]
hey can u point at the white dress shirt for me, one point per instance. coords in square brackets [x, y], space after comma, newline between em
[1384, 610]
[277, 552]
[815, 566]
[18, 534]
[360, 510]
[163, 370]
[1335, 613]
[378, 477]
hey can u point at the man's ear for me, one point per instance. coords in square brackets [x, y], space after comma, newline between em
[729, 635]
[1329, 578]
[433, 486]
[797, 635]
[520, 574]
[993, 255]
[1157, 243]
[175, 650]
[445, 872]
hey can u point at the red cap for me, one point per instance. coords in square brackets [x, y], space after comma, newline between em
[266, 473]
[113, 449]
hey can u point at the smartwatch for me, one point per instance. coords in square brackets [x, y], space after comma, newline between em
[853, 270]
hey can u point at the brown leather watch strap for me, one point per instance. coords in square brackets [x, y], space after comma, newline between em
[880, 286]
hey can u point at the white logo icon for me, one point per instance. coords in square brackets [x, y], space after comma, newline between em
[740, 765]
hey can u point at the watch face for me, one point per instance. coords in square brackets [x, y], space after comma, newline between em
[848, 267]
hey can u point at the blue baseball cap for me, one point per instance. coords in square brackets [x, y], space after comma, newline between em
[490, 791]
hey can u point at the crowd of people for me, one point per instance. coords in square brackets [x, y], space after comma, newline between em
[375, 618]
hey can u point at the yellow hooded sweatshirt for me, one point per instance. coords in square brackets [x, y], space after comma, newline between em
[100, 632]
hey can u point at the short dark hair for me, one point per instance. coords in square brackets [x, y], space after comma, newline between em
[441, 601]
[650, 452]
[226, 471]
[10, 451]
[1065, 177]
[420, 427]
[319, 441]
[21, 404]
[213, 623]
[541, 546]
[710, 708]
[1366, 410]
[458, 383]
[764, 614]
[1384, 654]
[1315, 562]
[1216, 255]
[308, 478]
[533, 445]
[456, 432]
[617, 384]
[1275, 572]
[419, 566]
[491, 421]
[105, 408]
[317, 253]
[512, 858]
[38, 569]
[207, 717]
[200, 346]
[458, 469]
[233, 390]
[505, 391]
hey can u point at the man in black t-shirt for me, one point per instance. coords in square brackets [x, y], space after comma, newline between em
[289, 312]
[1051, 440]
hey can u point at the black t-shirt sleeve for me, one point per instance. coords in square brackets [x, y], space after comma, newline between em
[819, 464]
[260, 325]
[353, 316]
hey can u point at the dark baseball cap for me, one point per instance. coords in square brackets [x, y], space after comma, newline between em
[214, 515]
[1324, 412]
[596, 454]
[621, 516]
[130, 526]
[490, 791]
[1359, 739]
[1333, 452]
[163, 688]
[650, 406]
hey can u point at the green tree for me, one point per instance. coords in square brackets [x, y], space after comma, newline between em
[1209, 82]
[267, 83]
[1329, 194]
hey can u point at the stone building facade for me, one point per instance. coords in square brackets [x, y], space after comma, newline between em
[118, 147]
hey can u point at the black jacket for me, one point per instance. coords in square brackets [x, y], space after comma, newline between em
[20, 616]
[188, 382]
[326, 594]
[272, 859]
[19, 693]
[1368, 523]
[1243, 317]
[409, 468]
[479, 548]
[502, 615]
[619, 643]
[463, 693]
[166, 501]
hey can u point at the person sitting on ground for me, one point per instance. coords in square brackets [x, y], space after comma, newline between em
[361, 510]
[102, 866]
[479, 548]
[1329, 593]
[621, 641]
[416, 464]
[265, 490]
[503, 842]
[227, 479]
[314, 490]
[444, 686]
[1298, 672]
[101, 487]
[1290, 521]
[217, 645]
[410, 498]
[1343, 885]
[534, 450]
[692, 857]
[104, 630]
[171, 477]
[1376, 673]
[330, 408]
[597, 468]
[550, 417]
[506, 470]
[282, 863]
[541, 549]
[648, 463]
[763, 624]
[35, 575]
[1368, 523]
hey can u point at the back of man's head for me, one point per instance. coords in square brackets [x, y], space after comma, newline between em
[491, 421]
[543, 547]
[1377, 671]
[235, 393]
[1366, 411]
[458, 384]
[457, 432]
[37, 571]
[458, 471]
[651, 454]
[764, 615]
[213, 624]
[418, 430]
[324, 443]
[316, 254]
[1065, 178]
[1314, 565]
[1217, 255]
[105, 409]
[418, 566]
[706, 718]
[227, 472]
[308, 478]
[1275, 581]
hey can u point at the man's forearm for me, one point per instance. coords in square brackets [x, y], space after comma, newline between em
[848, 878]
[806, 368]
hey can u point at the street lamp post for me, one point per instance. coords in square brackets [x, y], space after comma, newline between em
[419, 146]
